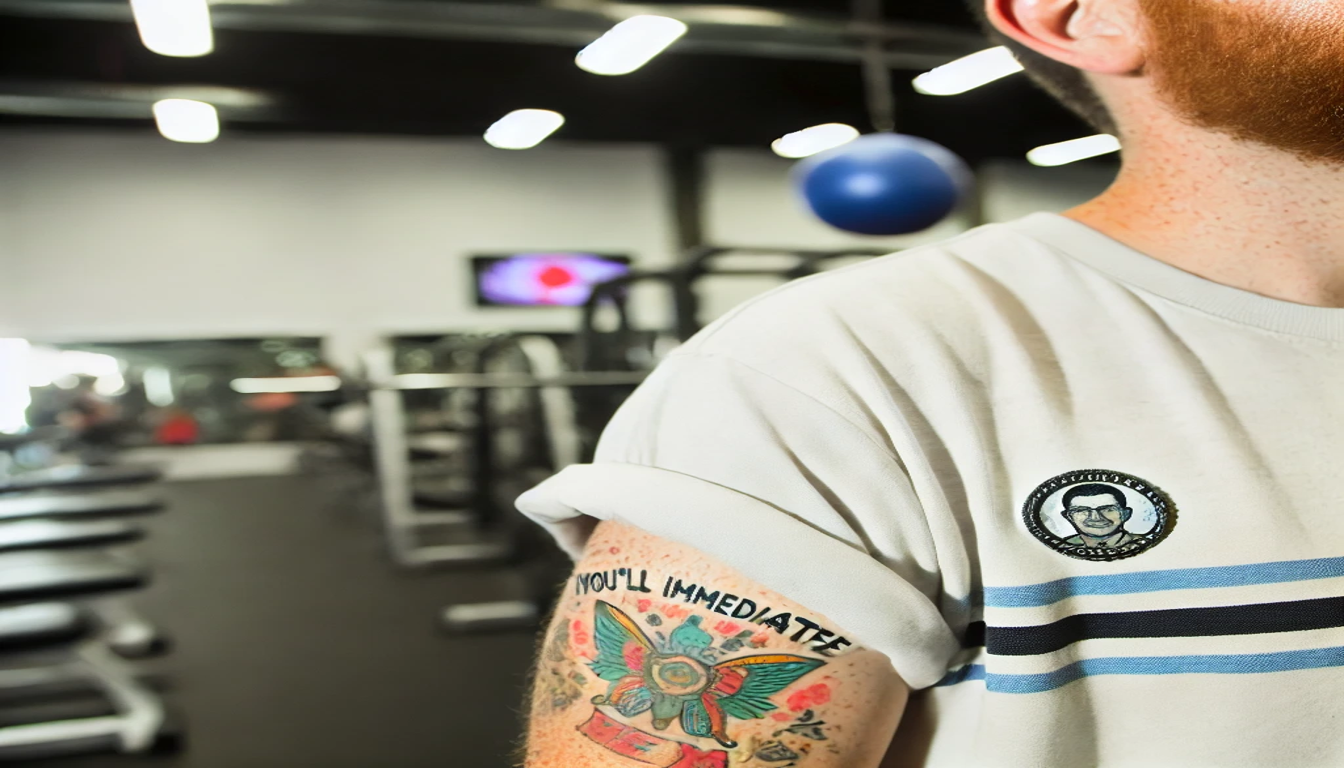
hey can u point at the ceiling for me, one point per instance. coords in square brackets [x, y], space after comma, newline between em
[441, 68]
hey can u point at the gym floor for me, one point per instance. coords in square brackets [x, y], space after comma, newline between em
[298, 644]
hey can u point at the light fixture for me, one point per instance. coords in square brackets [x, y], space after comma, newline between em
[285, 384]
[629, 45]
[174, 27]
[158, 383]
[818, 138]
[193, 122]
[1067, 152]
[14, 395]
[968, 72]
[523, 128]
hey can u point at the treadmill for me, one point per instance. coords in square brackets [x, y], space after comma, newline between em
[66, 643]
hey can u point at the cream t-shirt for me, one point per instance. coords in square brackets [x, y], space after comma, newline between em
[1090, 505]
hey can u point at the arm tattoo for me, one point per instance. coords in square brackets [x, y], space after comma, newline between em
[563, 679]
[682, 679]
[799, 628]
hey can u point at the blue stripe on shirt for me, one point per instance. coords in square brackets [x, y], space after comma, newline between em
[1051, 592]
[1240, 664]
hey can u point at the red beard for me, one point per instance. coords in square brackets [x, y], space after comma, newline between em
[1264, 71]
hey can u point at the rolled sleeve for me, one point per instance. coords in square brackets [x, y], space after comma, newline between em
[720, 457]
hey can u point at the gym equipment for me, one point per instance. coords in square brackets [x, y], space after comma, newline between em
[78, 505]
[558, 418]
[50, 534]
[40, 624]
[83, 639]
[404, 521]
[697, 265]
[139, 722]
[87, 642]
[883, 184]
[42, 575]
[78, 476]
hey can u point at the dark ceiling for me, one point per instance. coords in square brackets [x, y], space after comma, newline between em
[403, 84]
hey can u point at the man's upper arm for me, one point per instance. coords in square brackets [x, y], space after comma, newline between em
[661, 656]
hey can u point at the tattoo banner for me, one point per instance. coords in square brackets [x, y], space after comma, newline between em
[647, 748]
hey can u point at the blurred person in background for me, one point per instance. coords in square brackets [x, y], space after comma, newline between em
[95, 421]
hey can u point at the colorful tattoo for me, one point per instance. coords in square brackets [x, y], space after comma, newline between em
[681, 679]
[646, 748]
[564, 679]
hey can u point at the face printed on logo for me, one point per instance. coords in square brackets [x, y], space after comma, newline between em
[1098, 514]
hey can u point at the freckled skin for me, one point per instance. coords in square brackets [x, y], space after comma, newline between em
[1233, 163]
[856, 693]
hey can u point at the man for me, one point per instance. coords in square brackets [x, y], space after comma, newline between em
[1098, 513]
[829, 524]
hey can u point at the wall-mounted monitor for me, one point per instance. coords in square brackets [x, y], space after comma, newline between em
[542, 279]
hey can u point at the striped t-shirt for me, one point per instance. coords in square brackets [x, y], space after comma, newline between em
[1087, 503]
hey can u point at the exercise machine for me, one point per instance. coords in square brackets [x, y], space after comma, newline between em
[478, 522]
[48, 645]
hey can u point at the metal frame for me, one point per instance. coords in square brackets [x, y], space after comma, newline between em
[403, 521]
[682, 280]
[136, 727]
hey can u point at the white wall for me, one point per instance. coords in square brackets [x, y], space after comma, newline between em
[122, 235]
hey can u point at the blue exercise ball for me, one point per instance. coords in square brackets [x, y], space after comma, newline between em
[884, 184]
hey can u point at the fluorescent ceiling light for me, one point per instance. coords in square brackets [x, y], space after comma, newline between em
[968, 73]
[174, 27]
[1067, 152]
[523, 128]
[279, 384]
[630, 45]
[193, 122]
[818, 138]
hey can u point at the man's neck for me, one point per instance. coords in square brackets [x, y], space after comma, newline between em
[1242, 215]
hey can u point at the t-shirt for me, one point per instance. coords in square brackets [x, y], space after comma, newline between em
[1083, 500]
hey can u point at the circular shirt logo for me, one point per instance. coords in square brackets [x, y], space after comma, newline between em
[1099, 515]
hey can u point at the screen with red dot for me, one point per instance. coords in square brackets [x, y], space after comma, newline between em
[543, 279]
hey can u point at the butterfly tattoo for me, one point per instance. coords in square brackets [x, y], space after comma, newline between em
[678, 678]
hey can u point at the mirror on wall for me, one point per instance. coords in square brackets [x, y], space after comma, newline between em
[127, 394]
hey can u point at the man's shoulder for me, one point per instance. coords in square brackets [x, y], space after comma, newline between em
[909, 295]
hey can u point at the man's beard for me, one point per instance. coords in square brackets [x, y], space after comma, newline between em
[1265, 71]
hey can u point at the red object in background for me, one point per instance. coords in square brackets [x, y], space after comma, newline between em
[270, 402]
[554, 277]
[178, 429]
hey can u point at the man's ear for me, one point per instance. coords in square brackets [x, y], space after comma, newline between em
[1100, 36]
